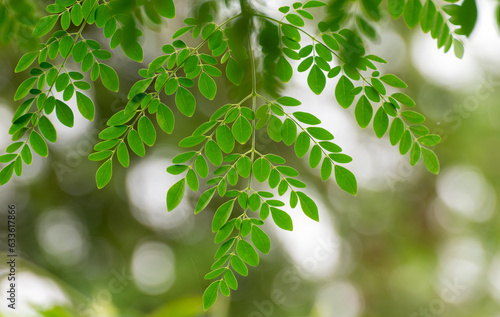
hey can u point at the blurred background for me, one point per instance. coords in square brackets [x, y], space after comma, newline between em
[410, 244]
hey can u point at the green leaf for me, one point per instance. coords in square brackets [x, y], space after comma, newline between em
[404, 99]
[274, 128]
[109, 77]
[288, 132]
[122, 154]
[380, 122]
[242, 130]
[363, 112]
[261, 169]
[222, 215]
[413, 116]
[24, 88]
[396, 131]
[412, 12]
[165, 118]
[165, 8]
[396, 8]
[234, 72]
[133, 51]
[415, 154]
[99, 156]
[393, 81]
[431, 161]
[313, 4]
[260, 240]
[185, 101]
[7, 158]
[308, 206]
[231, 279]
[244, 166]
[47, 129]
[316, 80]
[112, 132]
[282, 219]
[6, 173]
[207, 86]
[427, 16]
[295, 20]
[175, 194]
[204, 200]
[343, 92]
[45, 25]
[247, 253]
[320, 133]
[288, 101]
[26, 61]
[225, 138]
[429, 140]
[192, 180]
[213, 153]
[135, 143]
[210, 295]
[458, 48]
[346, 180]
[104, 173]
[214, 273]
[306, 118]
[239, 266]
[64, 114]
[406, 142]
[146, 131]
[85, 106]
[201, 166]
[315, 156]
[284, 70]
[302, 144]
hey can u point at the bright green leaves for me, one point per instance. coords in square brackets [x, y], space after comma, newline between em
[222, 215]
[175, 194]
[247, 253]
[343, 92]
[346, 180]
[380, 122]
[24, 88]
[284, 70]
[282, 219]
[393, 81]
[261, 169]
[411, 12]
[146, 131]
[316, 80]
[85, 106]
[210, 295]
[363, 112]
[109, 77]
[213, 153]
[64, 114]
[204, 199]
[431, 161]
[308, 206]
[165, 118]
[207, 86]
[47, 129]
[38, 144]
[302, 144]
[103, 174]
[225, 138]
[185, 101]
[242, 130]
[396, 8]
[26, 61]
[260, 240]
[45, 25]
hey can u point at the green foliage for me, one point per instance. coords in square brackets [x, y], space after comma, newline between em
[221, 156]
